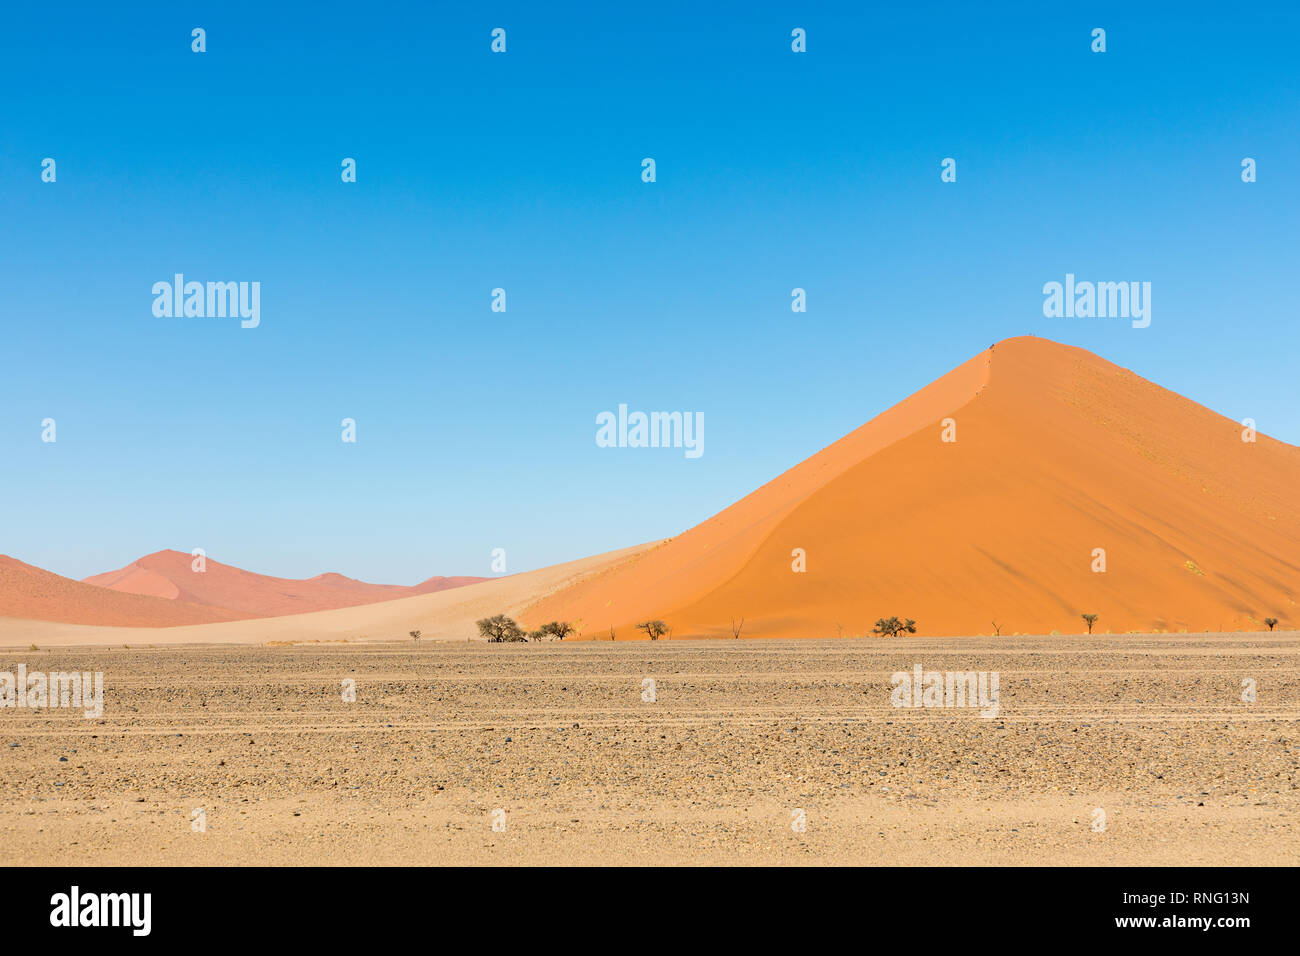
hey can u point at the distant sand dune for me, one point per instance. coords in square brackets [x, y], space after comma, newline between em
[447, 615]
[31, 592]
[239, 593]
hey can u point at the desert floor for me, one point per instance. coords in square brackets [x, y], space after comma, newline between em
[1150, 729]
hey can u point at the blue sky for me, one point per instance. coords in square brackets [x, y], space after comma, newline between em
[522, 170]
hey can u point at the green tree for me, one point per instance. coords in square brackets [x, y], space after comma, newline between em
[1271, 622]
[415, 635]
[500, 629]
[1091, 619]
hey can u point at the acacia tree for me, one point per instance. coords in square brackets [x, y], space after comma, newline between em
[500, 629]
[558, 630]
[415, 635]
[555, 630]
[654, 629]
[1091, 619]
[893, 626]
[1271, 622]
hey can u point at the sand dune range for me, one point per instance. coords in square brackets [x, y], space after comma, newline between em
[240, 593]
[446, 615]
[1060, 460]
[30, 592]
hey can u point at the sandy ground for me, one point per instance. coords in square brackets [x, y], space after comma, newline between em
[1150, 729]
[442, 616]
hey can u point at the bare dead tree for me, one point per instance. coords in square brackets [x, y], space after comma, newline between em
[735, 628]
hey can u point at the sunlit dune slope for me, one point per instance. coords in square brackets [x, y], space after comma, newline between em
[1057, 453]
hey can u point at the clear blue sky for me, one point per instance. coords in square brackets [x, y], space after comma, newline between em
[476, 430]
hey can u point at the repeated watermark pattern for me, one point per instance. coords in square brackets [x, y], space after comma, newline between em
[651, 430]
[66, 689]
[1102, 300]
[212, 300]
[542, 699]
[946, 689]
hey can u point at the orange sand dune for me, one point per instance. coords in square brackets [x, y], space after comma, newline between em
[1058, 453]
[32, 593]
[170, 574]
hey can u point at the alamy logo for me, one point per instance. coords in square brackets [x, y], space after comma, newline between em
[656, 430]
[103, 909]
[212, 300]
[1102, 300]
[58, 689]
[923, 688]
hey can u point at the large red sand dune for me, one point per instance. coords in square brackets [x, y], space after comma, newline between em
[34, 594]
[170, 575]
[1058, 452]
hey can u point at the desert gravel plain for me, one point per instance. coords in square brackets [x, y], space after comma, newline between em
[1151, 729]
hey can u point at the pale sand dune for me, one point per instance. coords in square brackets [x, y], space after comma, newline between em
[442, 616]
